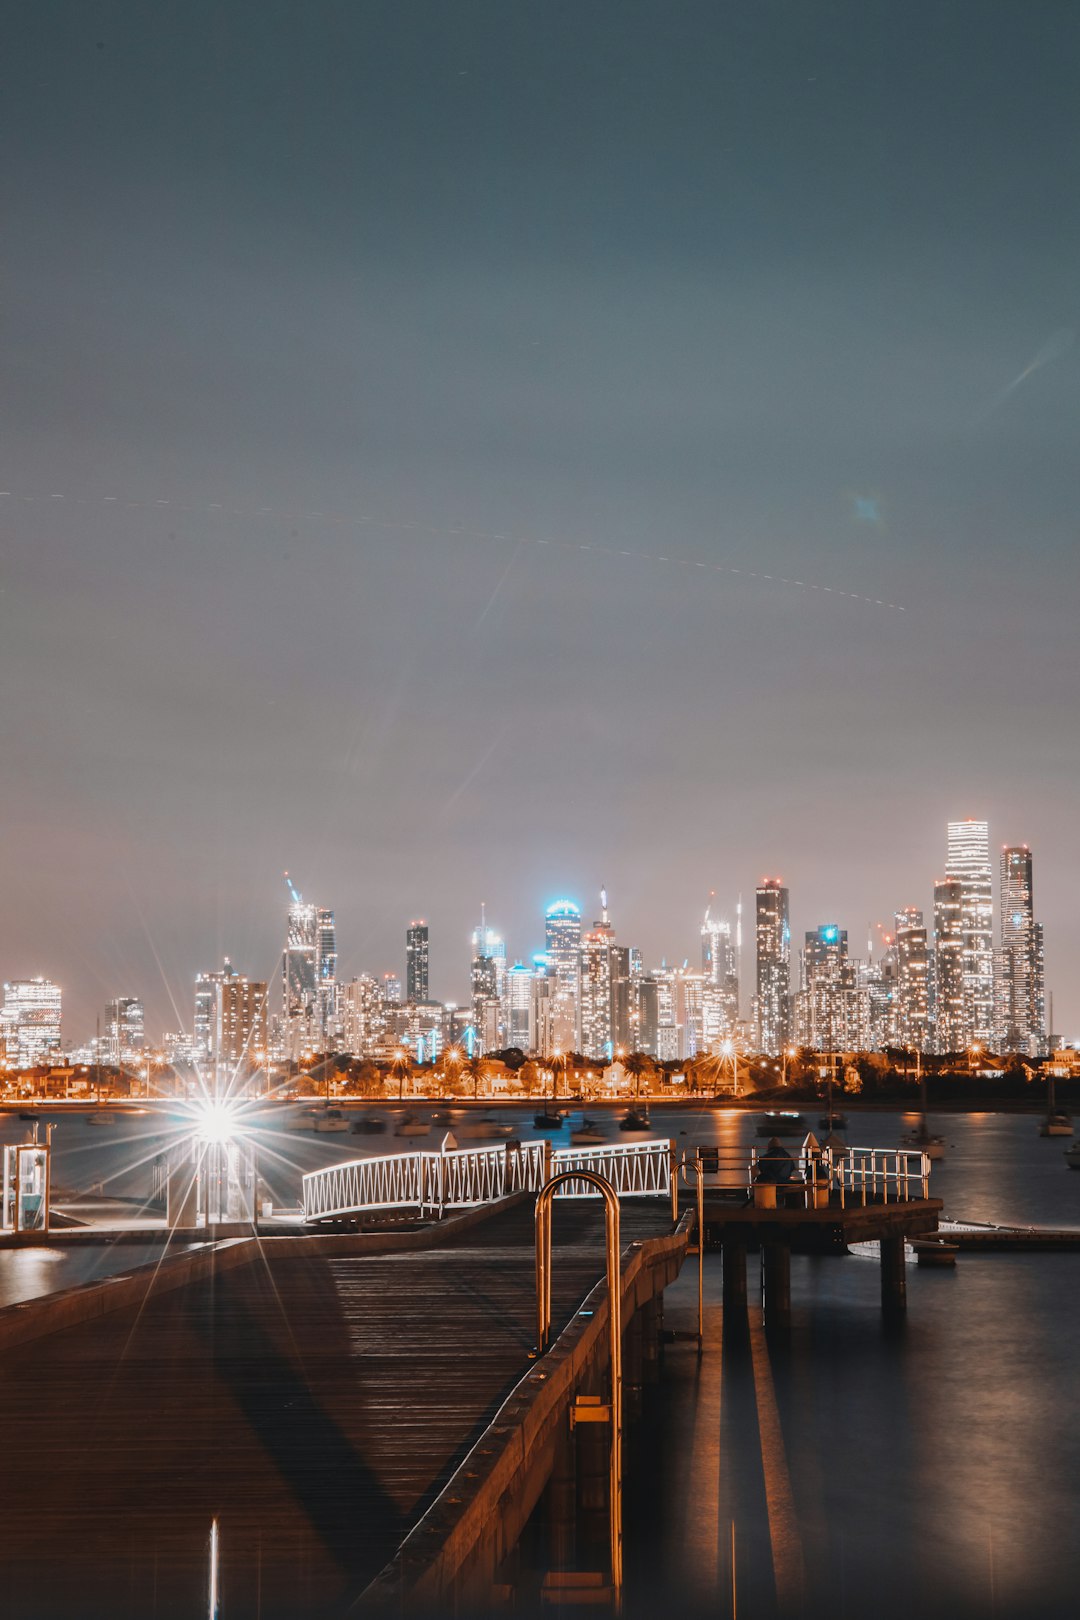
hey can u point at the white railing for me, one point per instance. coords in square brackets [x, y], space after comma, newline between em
[857, 1174]
[430, 1183]
[893, 1175]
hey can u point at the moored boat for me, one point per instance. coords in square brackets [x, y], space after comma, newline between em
[784, 1122]
[409, 1125]
[1057, 1121]
[329, 1122]
[636, 1122]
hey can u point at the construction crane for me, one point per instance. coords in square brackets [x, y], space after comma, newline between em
[297, 901]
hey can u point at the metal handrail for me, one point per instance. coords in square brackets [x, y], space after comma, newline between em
[543, 1334]
[432, 1182]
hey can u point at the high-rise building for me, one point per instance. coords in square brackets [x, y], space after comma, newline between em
[326, 977]
[597, 1038]
[125, 1033]
[300, 976]
[950, 1018]
[623, 997]
[720, 972]
[487, 980]
[773, 937]
[912, 980]
[562, 930]
[241, 1021]
[230, 1018]
[519, 1007]
[831, 1017]
[968, 863]
[648, 1018]
[362, 1014]
[416, 963]
[30, 1022]
[1021, 1020]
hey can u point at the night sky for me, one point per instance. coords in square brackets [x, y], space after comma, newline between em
[741, 284]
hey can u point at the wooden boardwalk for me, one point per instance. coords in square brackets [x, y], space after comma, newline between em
[315, 1406]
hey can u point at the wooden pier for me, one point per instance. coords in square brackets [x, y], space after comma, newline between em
[314, 1396]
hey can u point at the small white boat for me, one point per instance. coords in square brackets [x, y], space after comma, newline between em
[1057, 1124]
[331, 1121]
[1072, 1156]
[1057, 1121]
[409, 1125]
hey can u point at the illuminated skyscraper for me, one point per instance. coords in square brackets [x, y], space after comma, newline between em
[125, 1032]
[1021, 1012]
[831, 1019]
[230, 1018]
[773, 937]
[30, 1022]
[720, 970]
[361, 1011]
[563, 953]
[519, 1007]
[912, 980]
[597, 1040]
[326, 976]
[416, 963]
[968, 862]
[950, 1022]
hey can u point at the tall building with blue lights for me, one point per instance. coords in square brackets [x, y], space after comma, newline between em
[562, 947]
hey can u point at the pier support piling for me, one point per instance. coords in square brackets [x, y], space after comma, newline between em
[776, 1277]
[893, 1276]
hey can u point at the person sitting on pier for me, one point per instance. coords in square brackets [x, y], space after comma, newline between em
[775, 1164]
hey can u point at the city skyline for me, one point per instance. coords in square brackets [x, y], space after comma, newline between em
[1011, 941]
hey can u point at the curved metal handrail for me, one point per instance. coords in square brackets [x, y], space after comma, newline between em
[544, 1199]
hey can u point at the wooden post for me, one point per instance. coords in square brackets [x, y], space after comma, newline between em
[893, 1276]
[776, 1265]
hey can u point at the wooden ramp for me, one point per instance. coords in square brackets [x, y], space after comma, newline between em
[314, 1404]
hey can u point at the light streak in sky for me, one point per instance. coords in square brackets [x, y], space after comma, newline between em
[1053, 349]
[366, 520]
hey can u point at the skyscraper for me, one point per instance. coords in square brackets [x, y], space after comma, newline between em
[563, 951]
[950, 1024]
[124, 1028]
[912, 980]
[30, 1022]
[831, 1019]
[230, 1017]
[416, 962]
[326, 976]
[773, 938]
[597, 1040]
[720, 991]
[968, 863]
[519, 1007]
[1021, 1022]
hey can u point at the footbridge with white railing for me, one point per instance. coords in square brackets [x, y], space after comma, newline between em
[429, 1184]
